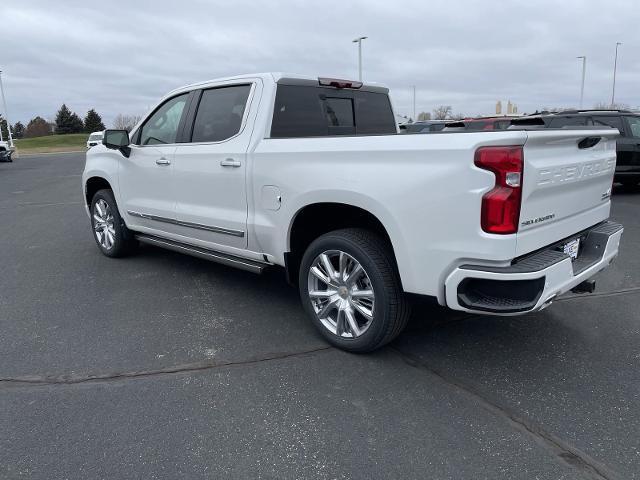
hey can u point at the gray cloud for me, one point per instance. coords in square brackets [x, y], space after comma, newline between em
[120, 57]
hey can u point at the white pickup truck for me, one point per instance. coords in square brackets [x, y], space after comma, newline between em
[311, 174]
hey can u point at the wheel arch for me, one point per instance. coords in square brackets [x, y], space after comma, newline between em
[315, 219]
[94, 184]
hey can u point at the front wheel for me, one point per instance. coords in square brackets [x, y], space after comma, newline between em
[111, 234]
[350, 288]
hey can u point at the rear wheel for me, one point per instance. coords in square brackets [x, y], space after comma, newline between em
[111, 234]
[350, 288]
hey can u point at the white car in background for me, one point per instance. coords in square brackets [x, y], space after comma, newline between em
[94, 139]
[5, 151]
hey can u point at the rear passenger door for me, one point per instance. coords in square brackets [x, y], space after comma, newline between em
[210, 168]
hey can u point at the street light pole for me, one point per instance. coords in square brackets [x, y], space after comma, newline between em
[584, 69]
[359, 42]
[414, 103]
[615, 67]
[6, 114]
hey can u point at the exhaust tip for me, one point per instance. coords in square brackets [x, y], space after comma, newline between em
[588, 286]
[548, 301]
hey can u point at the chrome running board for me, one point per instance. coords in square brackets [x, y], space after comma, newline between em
[206, 254]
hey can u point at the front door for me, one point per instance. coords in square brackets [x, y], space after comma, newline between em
[210, 170]
[146, 178]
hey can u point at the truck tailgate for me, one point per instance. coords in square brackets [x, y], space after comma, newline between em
[566, 184]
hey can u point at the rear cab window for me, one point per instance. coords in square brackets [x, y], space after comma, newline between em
[478, 125]
[569, 121]
[502, 124]
[340, 115]
[609, 121]
[305, 109]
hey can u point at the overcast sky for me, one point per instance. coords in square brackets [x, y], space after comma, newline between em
[121, 56]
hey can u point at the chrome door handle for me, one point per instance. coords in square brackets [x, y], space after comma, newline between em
[230, 162]
[163, 161]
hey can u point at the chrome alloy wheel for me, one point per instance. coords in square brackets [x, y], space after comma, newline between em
[341, 294]
[103, 224]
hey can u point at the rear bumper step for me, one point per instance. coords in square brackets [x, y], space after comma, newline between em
[532, 282]
[211, 255]
[497, 296]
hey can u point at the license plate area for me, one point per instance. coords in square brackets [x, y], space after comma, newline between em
[571, 248]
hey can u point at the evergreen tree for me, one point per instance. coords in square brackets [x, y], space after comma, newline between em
[76, 124]
[67, 121]
[93, 122]
[18, 130]
[3, 128]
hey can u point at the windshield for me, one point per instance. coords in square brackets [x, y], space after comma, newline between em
[95, 136]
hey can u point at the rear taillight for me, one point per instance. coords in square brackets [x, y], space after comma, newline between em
[501, 205]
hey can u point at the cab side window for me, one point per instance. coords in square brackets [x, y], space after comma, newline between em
[634, 126]
[568, 121]
[609, 121]
[220, 113]
[162, 127]
[502, 125]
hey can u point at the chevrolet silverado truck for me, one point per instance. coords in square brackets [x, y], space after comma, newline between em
[311, 174]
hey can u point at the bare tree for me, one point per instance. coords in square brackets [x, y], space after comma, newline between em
[125, 122]
[607, 106]
[37, 127]
[442, 112]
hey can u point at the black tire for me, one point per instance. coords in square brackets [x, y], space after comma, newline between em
[124, 241]
[391, 311]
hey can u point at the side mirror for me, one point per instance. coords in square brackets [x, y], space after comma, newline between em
[117, 140]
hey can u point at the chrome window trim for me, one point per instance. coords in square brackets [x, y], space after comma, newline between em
[199, 226]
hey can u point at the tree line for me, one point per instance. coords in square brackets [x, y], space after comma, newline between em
[442, 112]
[445, 112]
[66, 122]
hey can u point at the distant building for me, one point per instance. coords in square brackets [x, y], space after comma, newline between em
[512, 108]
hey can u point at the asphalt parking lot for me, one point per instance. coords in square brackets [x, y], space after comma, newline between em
[166, 366]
